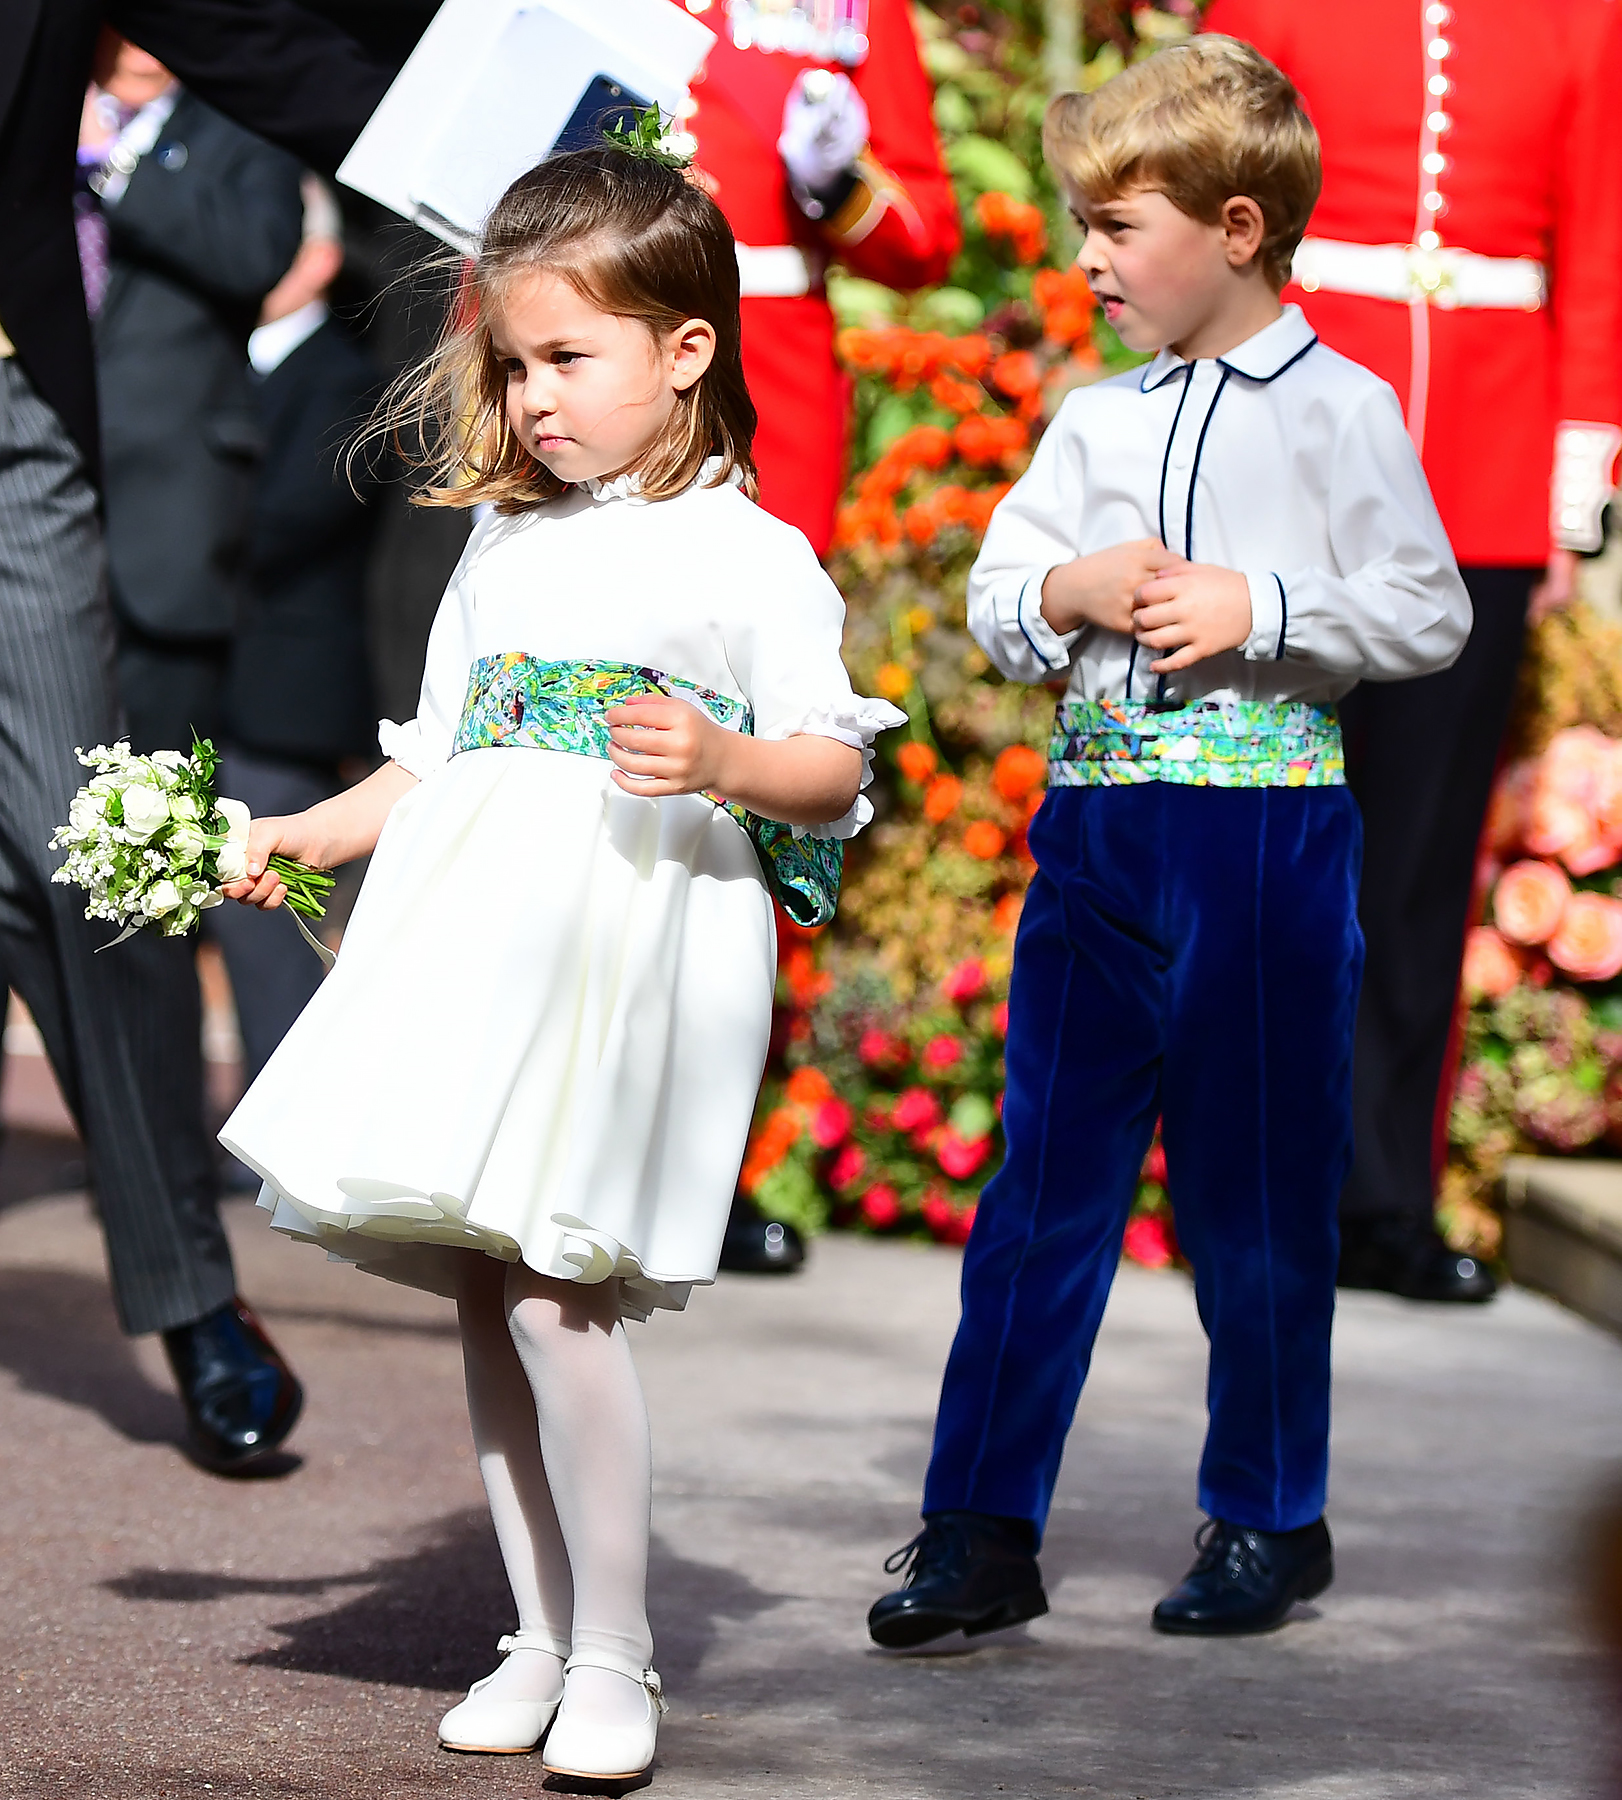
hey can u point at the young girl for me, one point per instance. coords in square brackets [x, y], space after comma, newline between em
[529, 1079]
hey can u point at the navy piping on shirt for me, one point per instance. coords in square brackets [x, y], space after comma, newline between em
[1019, 615]
[1194, 473]
[1283, 616]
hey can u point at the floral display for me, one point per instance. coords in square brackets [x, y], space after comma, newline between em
[151, 843]
[1541, 1066]
[883, 1100]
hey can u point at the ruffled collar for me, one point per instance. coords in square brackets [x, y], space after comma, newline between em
[629, 486]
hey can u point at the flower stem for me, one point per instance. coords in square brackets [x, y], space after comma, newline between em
[307, 888]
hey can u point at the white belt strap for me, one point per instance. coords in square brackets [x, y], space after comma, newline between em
[775, 271]
[1445, 278]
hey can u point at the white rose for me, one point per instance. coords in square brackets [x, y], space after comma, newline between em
[183, 806]
[145, 811]
[186, 844]
[162, 897]
[87, 812]
[232, 860]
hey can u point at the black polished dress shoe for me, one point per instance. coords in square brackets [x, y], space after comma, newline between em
[756, 1246]
[966, 1571]
[241, 1399]
[1246, 1581]
[1394, 1257]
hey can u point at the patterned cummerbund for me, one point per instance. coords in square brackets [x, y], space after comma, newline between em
[515, 700]
[1209, 743]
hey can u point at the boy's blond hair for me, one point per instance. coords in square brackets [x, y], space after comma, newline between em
[1201, 122]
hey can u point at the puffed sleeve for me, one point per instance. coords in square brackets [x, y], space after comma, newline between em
[787, 662]
[423, 744]
[1028, 537]
[1395, 605]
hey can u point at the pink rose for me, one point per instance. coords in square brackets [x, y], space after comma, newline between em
[1588, 944]
[881, 1206]
[948, 1224]
[916, 1110]
[960, 1157]
[943, 1052]
[966, 982]
[1148, 1241]
[881, 1050]
[1491, 968]
[846, 1168]
[1506, 811]
[1529, 901]
[830, 1124]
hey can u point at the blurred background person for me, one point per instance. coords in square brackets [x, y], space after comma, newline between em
[122, 1032]
[1467, 248]
[297, 713]
[185, 223]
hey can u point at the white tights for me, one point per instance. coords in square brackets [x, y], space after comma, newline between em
[561, 1432]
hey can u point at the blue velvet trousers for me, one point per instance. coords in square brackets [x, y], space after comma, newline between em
[1192, 953]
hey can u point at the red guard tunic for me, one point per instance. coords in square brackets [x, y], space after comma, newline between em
[899, 225]
[1493, 129]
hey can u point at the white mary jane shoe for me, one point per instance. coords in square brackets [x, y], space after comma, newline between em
[493, 1727]
[605, 1752]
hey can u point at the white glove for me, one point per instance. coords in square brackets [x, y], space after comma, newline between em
[824, 129]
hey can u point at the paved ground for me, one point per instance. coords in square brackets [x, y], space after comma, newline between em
[170, 1634]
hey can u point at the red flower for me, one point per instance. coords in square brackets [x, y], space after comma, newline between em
[1018, 771]
[881, 1206]
[941, 798]
[959, 1159]
[846, 1168]
[1149, 1241]
[967, 981]
[882, 1050]
[917, 1109]
[943, 1052]
[948, 1224]
[876, 1116]
[916, 761]
[999, 1018]
[984, 840]
[830, 1124]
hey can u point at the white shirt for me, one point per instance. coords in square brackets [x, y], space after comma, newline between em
[1280, 459]
[269, 346]
[706, 586]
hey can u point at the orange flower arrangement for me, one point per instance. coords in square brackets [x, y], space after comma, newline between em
[1015, 223]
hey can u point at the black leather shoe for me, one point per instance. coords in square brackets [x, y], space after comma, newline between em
[1246, 1581]
[1394, 1257]
[241, 1399]
[757, 1246]
[967, 1572]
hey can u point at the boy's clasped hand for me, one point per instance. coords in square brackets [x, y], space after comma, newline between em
[1191, 610]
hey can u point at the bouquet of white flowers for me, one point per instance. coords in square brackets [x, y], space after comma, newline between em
[152, 843]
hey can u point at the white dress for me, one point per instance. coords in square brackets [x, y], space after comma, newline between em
[546, 1029]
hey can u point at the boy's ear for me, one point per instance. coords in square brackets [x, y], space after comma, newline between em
[1244, 228]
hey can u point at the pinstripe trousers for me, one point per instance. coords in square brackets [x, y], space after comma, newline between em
[123, 1031]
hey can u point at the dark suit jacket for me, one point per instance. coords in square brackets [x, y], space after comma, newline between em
[299, 685]
[276, 69]
[207, 226]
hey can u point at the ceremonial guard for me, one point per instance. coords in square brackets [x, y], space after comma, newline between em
[1468, 249]
[815, 137]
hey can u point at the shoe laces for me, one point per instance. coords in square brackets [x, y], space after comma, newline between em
[940, 1543]
[1226, 1546]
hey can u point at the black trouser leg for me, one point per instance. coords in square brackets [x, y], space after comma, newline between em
[1420, 757]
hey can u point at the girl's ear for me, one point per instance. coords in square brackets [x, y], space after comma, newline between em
[690, 349]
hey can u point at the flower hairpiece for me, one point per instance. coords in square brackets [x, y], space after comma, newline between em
[645, 133]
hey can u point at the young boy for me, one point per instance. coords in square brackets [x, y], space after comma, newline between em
[1216, 546]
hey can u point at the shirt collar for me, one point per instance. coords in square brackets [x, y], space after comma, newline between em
[270, 345]
[1261, 357]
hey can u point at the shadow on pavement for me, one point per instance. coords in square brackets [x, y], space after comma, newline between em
[37, 1162]
[429, 1618]
[59, 1337]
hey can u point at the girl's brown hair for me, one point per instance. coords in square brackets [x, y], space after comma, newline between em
[632, 236]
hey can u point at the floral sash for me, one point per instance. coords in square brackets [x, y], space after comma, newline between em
[515, 699]
[1211, 743]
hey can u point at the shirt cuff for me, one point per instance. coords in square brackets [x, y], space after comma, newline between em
[1269, 617]
[1022, 620]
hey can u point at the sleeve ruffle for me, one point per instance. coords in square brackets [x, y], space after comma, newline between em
[856, 722]
[406, 745]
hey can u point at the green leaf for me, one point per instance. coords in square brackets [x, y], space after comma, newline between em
[789, 1194]
[986, 167]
